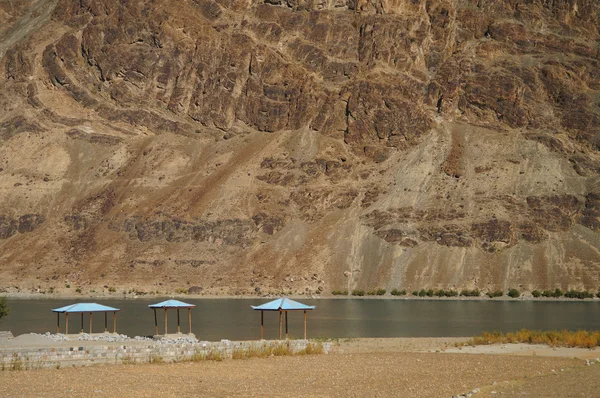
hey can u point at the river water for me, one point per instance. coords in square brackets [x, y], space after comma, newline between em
[233, 319]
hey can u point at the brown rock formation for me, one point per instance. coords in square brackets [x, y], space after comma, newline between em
[300, 146]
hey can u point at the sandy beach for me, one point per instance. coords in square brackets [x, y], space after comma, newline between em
[404, 367]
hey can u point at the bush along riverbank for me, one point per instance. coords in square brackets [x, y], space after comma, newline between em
[511, 293]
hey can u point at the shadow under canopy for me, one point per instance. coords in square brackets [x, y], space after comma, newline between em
[82, 308]
[281, 305]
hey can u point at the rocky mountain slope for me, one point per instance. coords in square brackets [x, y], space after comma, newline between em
[299, 146]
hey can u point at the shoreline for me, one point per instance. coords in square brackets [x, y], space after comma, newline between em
[118, 296]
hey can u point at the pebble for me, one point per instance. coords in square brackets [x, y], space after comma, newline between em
[467, 394]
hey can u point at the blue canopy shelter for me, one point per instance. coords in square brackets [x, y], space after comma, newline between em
[281, 305]
[83, 308]
[172, 304]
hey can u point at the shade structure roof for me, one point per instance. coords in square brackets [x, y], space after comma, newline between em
[172, 304]
[85, 307]
[284, 304]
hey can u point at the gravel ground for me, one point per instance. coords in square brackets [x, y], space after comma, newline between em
[580, 382]
[375, 374]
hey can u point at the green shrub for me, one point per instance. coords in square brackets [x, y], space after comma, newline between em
[340, 292]
[371, 293]
[422, 293]
[357, 292]
[112, 289]
[4, 310]
[78, 290]
[553, 293]
[445, 293]
[514, 293]
[497, 293]
[536, 293]
[470, 293]
[415, 293]
[396, 292]
[381, 292]
[578, 295]
[598, 294]
[68, 286]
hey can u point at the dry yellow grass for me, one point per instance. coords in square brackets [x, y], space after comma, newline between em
[566, 338]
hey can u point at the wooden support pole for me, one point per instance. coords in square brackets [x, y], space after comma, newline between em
[155, 323]
[304, 324]
[279, 324]
[58, 322]
[115, 322]
[166, 318]
[178, 323]
[82, 322]
[105, 321]
[190, 319]
[90, 323]
[286, 326]
[67, 323]
[262, 325]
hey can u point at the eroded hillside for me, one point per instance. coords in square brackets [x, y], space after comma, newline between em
[299, 146]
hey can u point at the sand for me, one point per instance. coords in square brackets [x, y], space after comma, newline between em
[361, 367]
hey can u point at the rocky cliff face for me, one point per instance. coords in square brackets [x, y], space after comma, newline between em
[300, 146]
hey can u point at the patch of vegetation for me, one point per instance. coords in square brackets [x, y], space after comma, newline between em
[376, 292]
[565, 338]
[497, 293]
[415, 293]
[281, 350]
[311, 349]
[579, 295]
[536, 293]
[396, 292]
[357, 292]
[181, 291]
[470, 293]
[16, 363]
[4, 309]
[445, 293]
[112, 289]
[214, 355]
[556, 293]
[155, 358]
[68, 286]
[78, 290]
[340, 292]
[514, 293]
[128, 360]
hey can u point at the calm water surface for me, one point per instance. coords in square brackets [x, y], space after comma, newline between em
[216, 319]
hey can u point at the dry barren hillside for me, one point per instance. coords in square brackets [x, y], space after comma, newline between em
[300, 146]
